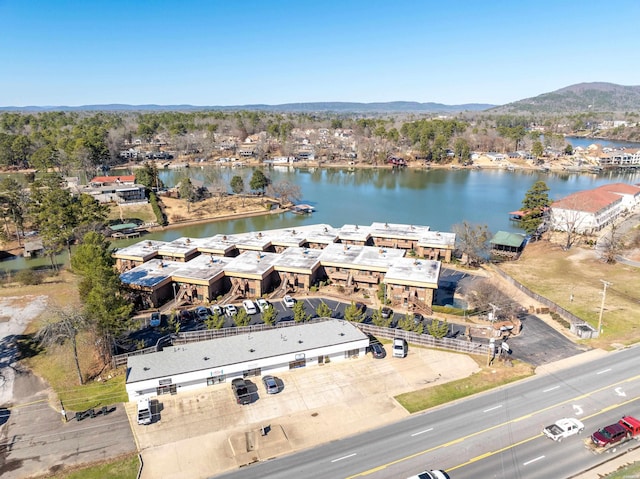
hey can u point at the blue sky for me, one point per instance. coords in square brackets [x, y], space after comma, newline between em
[232, 52]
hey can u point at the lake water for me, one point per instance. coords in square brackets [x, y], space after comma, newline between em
[438, 198]
[585, 142]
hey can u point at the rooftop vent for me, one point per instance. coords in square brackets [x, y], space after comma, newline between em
[146, 368]
[252, 350]
[206, 358]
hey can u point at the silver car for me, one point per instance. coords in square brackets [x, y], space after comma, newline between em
[270, 385]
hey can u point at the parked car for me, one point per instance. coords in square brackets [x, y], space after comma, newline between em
[361, 307]
[263, 304]
[400, 348]
[270, 385]
[216, 310]
[249, 307]
[185, 316]
[241, 391]
[202, 313]
[386, 312]
[377, 350]
[289, 302]
[155, 320]
[230, 310]
[417, 318]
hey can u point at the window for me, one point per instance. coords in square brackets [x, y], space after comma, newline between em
[300, 363]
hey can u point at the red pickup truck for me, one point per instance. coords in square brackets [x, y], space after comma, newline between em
[615, 434]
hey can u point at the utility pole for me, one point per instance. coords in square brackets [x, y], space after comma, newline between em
[604, 295]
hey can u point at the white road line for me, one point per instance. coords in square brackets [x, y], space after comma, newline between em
[421, 432]
[605, 371]
[550, 389]
[533, 460]
[344, 457]
[492, 408]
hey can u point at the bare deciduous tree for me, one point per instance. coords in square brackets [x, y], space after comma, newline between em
[472, 241]
[62, 326]
[611, 244]
[284, 191]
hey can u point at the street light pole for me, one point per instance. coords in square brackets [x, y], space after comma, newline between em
[604, 295]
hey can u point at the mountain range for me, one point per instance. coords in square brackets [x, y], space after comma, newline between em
[582, 97]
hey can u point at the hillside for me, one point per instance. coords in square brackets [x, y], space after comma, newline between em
[311, 107]
[582, 97]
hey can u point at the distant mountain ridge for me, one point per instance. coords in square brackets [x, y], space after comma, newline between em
[581, 97]
[328, 107]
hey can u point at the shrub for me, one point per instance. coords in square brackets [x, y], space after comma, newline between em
[28, 277]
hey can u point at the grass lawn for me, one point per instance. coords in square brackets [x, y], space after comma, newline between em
[123, 468]
[487, 378]
[572, 279]
[142, 212]
[628, 472]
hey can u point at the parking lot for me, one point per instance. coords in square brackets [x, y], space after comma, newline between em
[203, 433]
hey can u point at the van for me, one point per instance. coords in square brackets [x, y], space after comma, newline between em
[400, 348]
[144, 411]
[249, 306]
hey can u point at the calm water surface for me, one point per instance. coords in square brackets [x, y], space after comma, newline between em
[438, 198]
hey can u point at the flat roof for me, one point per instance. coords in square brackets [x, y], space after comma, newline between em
[251, 263]
[354, 233]
[373, 258]
[140, 251]
[398, 231]
[414, 272]
[151, 273]
[437, 239]
[178, 248]
[223, 352]
[254, 241]
[302, 260]
[202, 269]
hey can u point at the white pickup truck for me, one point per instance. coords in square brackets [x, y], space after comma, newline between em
[565, 427]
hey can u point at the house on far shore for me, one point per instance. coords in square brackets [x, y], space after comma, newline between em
[508, 245]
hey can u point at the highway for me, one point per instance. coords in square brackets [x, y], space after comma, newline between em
[496, 434]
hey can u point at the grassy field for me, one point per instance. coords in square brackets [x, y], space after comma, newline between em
[487, 378]
[142, 212]
[122, 468]
[573, 280]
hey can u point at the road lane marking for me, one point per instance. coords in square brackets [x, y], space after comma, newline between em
[532, 460]
[493, 408]
[604, 371]
[550, 389]
[421, 432]
[344, 457]
[478, 433]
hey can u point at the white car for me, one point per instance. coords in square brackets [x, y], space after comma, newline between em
[289, 302]
[216, 310]
[249, 307]
[562, 428]
[230, 310]
[263, 304]
[431, 475]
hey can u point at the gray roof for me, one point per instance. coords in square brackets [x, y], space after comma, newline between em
[223, 352]
[141, 251]
[360, 257]
[417, 272]
[152, 273]
[298, 259]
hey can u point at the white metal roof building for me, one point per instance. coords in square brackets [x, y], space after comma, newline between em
[201, 364]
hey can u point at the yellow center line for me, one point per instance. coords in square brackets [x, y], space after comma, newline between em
[520, 418]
